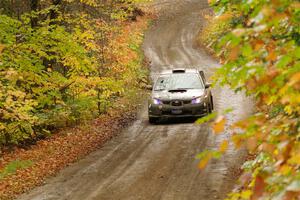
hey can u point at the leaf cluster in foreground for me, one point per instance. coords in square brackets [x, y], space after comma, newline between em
[260, 55]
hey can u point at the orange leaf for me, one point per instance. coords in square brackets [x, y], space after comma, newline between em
[223, 146]
[204, 161]
[243, 124]
[295, 5]
[269, 148]
[259, 188]
[251, 144]
[234, 53]
[219, 124]
[258, 45]
[272, 56]
[290, 195]
[251, 84]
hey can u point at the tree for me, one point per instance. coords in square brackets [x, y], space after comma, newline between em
[53, 57]
[261, 57]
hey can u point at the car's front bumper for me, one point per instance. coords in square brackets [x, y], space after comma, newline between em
[187, 110]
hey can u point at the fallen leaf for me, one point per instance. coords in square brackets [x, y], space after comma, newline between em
[251, 84]
[219, 124]
[204, 161]
[237, 141]
[285, 170]
[234, 53]
[294, 79]
[289, 195]
[272, 56]
[258, 45]
[259, 188]
[251, 144]
[224, 146]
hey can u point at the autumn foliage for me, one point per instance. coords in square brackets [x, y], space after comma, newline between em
[260, 55]
[107, 45]
[63, 61]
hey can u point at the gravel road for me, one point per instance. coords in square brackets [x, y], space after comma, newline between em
[157, 162]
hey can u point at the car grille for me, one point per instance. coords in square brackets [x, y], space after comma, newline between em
[184, 112]
[166, 102]
[177, 102]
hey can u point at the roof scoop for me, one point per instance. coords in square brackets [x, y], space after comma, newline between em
[178, 90]
[178, 71]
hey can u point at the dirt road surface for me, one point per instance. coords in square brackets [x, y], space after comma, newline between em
[157, 162]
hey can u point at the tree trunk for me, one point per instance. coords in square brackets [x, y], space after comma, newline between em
[53, 12]
[34, 5]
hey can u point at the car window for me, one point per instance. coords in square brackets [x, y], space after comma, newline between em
[178, 81]
[202, 76]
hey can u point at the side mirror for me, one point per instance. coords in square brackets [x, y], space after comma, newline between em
[149, 87]
[207, 85]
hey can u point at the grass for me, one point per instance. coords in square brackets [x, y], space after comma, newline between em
[13, 166]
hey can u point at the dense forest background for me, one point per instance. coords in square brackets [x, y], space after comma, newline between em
[61, 62]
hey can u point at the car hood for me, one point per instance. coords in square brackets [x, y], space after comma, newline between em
[178, 95]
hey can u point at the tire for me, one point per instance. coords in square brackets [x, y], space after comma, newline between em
[153, 120]
[209, 110]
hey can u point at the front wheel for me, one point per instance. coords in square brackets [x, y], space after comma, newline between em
[153, 120]
[209, 108]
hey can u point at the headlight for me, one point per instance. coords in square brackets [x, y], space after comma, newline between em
[197, 100]
[157, 101]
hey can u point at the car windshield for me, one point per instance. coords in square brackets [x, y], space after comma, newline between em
[178, 81]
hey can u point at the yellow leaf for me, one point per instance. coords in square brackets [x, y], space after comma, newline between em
[1, 47]
[219, 124]
[288, 109]
[204, 161]
[241, 124]
[237, 140]
[295, 159]
[224, 146]
[294, 79]
[246, 194]
[285, 169]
